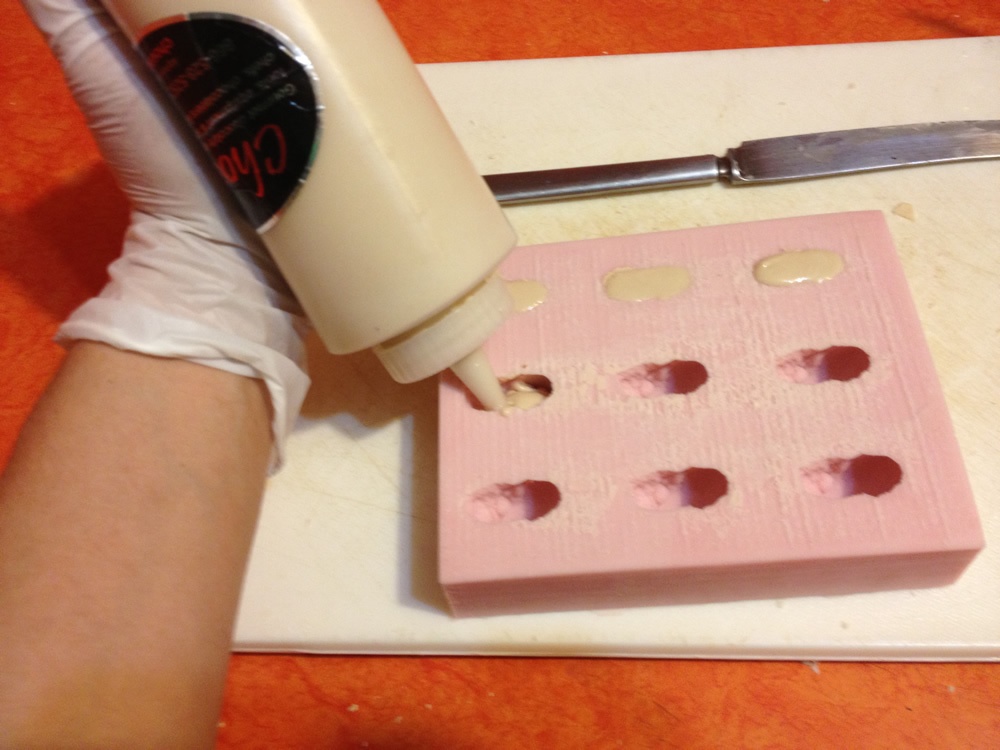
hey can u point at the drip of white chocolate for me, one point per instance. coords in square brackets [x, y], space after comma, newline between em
[641, 284]
[527, 294]
[798, 267]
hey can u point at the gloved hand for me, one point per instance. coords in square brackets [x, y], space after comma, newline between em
[193, 281]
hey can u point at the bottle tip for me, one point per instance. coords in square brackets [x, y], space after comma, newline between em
[477, 375]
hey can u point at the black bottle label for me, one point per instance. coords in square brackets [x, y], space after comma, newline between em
[249, 95]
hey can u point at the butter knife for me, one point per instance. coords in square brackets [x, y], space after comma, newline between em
[769, 160]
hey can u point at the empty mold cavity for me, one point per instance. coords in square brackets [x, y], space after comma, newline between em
[798, 267]
[642, 284]
[810, 366]
[506, 503]
[846, 477]
[652, 379]
[695, 487]
[527, 294]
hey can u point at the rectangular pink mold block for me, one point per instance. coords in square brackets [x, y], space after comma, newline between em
[628, 530]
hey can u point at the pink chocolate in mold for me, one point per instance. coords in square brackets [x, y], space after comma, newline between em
[664, 489]
[649, 379]
[827, 478]
[505, 503]
[861, 475]
[696, 487]
[854, 483]
[810, 366]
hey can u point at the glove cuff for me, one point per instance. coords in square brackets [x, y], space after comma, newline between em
[136, 327]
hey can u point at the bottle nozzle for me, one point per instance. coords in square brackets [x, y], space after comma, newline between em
[477, 375]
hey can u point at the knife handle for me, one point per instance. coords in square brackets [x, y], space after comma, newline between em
[578, 182]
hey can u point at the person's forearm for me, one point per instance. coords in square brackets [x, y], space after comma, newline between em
[126, 517]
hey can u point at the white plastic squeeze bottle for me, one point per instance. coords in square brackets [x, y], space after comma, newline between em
[315, 115]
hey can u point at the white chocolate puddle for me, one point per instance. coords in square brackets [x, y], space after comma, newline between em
[527, 294]
[642, 284]
[798, 267]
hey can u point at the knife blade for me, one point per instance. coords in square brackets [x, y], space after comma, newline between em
[769, 160]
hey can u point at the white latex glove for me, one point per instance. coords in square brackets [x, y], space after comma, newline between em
[194, 281]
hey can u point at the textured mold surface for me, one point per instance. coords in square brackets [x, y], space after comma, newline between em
[735, 440]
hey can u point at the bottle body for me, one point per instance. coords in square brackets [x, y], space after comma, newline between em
[369, 205]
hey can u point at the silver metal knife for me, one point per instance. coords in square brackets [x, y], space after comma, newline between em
[797, 157]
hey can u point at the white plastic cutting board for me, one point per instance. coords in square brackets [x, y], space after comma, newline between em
[345, 557]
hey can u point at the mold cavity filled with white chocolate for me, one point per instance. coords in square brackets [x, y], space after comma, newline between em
[798, 267]
[642, 284]
[695, 487]
[652, 379]
[846, 477]
[507, 503]
[521, 392]
[527, 294]
[525, 392]
[811, 366]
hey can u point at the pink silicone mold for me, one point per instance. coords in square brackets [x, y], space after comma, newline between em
[736, 441]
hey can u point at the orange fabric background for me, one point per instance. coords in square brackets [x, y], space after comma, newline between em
[60, 224]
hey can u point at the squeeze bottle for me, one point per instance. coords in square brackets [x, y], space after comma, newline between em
[316, 117]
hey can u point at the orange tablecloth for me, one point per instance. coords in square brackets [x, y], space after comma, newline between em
[60, 221]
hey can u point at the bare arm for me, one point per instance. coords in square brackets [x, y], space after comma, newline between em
[126, 516]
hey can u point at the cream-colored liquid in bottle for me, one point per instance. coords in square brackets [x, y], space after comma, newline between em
[337, 152]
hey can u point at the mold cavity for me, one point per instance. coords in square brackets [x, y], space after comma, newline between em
[798, 267]
[526, 391]
[527, 294]
[846, 477]
[809, 366]
[642, 284]
[652, 379]
[666, 490]
[521, 391]
[506, 503]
